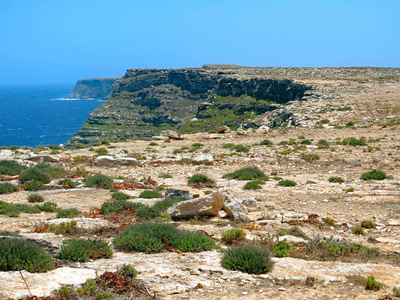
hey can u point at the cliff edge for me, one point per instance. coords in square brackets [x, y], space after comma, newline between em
[93, 88]
[146, 101]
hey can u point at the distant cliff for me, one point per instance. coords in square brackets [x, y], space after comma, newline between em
[147, 101]
[94, 88]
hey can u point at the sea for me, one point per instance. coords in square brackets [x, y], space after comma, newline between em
[32, 115]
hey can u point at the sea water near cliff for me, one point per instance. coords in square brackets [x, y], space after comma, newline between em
[32, 115]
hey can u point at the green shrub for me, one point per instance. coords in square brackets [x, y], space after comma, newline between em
[62, 228]
[336, 179]
[99, 181]
[252, 185]
[119, 196]
[47, 206]
[32, 186]
[350, 124]
[228, 146]
[9, 233]
[353, 142]
[282, 248]
[12, 210]
[197, 145]
[374, 175]
[147, 212]
[150, 194]
[105, 142]
[67, 182]
[323, 144]
[305, 142]
[8, 167]
[249, 173]
[49, 170]
[199, 178]
[367, 224]
[19, 254]
[372, 284]
[68, 213]
[83, 250]
[358, 230]
[35, 198]
[267, 143]
[127, 271]
[101, 151]
[287, 183]
[118, 206]
[233, 236]
[6, 188]
[33, 174]
[249, 259]
[151, 237]
[241, 148]
[79, 146]
[14, 147]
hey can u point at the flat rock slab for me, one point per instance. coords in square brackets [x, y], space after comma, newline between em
[41, 284]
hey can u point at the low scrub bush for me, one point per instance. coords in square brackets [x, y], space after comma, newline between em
[147, 212]
[323, 144]
[241, 148]
[119, 206]
[305, 142]
[119, 196]
[267, 143]
[6, 188]
[62, 228]
[32, 186]
[367, 224]
[199, 178]
[33, 198]
[8, 233]
[233, 236]
[47, 207]
[8, 167]
[101, 151]
[249, 259]
[282, 248]
[67, 183]
[19, 254]
[249, 173]
[150, 194]
[33, 174]
[353, 142]
[99, 181]
[336, 179]
[252, 185]
[68, 213]
[287, 183]
[152, 237]
[358, 230]
[374, 175]
[372, 284]
[83, 250]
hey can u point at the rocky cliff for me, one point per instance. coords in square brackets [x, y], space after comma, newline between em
[94, 88]
[147, 101]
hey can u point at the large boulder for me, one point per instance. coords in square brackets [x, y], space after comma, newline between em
[203, 158]
[235, 209]
[208, 205]
[110, 161]
[172, 135]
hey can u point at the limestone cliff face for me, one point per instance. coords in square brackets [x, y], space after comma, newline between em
[94, 88]
[147, 101]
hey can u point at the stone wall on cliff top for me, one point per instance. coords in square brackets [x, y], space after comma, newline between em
[94, 88]
[147, 101]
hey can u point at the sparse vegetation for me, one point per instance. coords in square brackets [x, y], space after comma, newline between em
[6, 188]
[8, 167]
[34, 198]
[252, 185]
[287, 183]
[353, 142]
[233, 236]
[372, 284]
[249, 173]
[99, 181]
[150, 194]
[83, 250]
[68, 213]
[200, 178]
[336, 179]
[249, 259]
[374, 175]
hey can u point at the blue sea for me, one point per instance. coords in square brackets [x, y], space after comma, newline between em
[32, 115]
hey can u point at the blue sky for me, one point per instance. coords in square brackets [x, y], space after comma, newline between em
[61, 41]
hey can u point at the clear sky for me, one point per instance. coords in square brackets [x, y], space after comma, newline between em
[61, 41]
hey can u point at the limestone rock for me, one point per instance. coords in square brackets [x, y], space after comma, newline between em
[108, 161]
[43, 159]
[208, 205]
[176, 193]
[223, 129]
[235, 209]
[203, 158]
[172, 135]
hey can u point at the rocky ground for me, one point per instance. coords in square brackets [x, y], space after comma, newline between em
[342, 105]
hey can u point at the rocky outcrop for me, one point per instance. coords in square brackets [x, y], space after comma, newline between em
[147, 101]
[94, 88]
